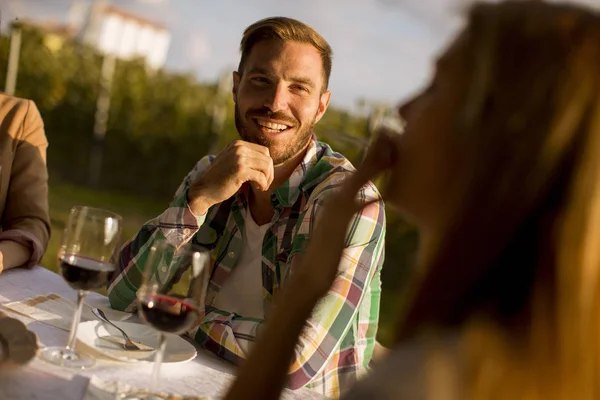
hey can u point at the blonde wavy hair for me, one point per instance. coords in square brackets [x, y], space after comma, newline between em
[517, 269]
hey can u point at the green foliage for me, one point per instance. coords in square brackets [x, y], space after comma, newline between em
[62, 196]
[159, 125]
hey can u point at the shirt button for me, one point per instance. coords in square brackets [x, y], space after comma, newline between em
[231, 254]
[186, 231]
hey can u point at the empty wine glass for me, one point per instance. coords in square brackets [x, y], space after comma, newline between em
[389, 121]
[383, 123]
[170, 298]
[86, 258]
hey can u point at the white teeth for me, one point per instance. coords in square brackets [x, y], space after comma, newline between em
[271, 126]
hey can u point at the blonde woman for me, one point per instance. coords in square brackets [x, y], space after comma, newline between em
[500, 168]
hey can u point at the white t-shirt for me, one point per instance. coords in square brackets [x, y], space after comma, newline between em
[242, 291]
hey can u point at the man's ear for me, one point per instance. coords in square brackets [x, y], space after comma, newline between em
[236, 84]
[323, 104]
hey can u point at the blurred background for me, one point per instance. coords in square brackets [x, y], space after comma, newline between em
[134, 92]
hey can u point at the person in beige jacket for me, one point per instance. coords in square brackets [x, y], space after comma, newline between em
[24, 221]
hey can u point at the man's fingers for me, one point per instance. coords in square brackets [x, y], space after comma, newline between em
[271, 172]
[264, 164]
[261, 164]
[244, 147]
[259, 155]
[256, 169]
[258, 178]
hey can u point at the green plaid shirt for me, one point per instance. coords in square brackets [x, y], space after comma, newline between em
[337, 344]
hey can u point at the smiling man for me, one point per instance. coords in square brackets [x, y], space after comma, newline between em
[254, 206]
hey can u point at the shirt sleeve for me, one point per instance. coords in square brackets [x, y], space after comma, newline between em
[177, 224]
[231, 335]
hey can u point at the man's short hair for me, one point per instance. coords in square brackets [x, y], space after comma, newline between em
[286, 29]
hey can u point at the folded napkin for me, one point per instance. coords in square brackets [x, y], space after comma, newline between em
[99, 389]
[54, 310]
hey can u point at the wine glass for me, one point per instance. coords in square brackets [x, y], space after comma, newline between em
[389, 121]
[86, 258]
[383, 123]
[172, 293]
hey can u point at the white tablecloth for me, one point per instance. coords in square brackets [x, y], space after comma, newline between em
[205, 375]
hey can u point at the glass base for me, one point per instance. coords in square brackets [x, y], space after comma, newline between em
[66, 358]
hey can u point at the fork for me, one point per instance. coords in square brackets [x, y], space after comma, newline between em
[129, 345]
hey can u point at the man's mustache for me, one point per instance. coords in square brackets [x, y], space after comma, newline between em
[268, 114]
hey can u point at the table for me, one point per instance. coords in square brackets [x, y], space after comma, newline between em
[205, 375]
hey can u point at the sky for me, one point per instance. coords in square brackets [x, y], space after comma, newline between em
[383, 49]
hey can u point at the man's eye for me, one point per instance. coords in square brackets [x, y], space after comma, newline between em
[259, 80]
[300, 88]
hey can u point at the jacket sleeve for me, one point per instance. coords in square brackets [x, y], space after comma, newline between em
[25, 217]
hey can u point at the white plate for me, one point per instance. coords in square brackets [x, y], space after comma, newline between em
[101, 338]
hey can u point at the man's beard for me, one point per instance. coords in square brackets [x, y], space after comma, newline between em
[297, 143]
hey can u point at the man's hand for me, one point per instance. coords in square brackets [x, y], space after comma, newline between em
[1, 262]
[238, 163]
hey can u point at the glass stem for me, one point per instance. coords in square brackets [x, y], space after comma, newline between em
[73, 333]
[157, 362]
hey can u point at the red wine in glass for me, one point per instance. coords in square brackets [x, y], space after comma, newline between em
[86, 257]
[83, 273]
[170, 298]
[168, 313]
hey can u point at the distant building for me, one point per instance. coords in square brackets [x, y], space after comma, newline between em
[120, 33]
[110, 30]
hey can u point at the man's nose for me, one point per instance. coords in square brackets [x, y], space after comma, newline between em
[277, 98]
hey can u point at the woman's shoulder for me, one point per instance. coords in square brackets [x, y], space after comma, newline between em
[14, 110]
[414, 370]
[8, 102]
[20, 119]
